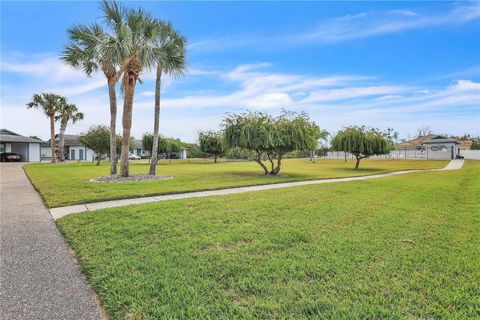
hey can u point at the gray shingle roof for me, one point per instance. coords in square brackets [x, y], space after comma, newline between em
[441, 140]
[71, 140]
[10, 136]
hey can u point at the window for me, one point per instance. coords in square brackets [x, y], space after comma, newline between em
[72, 154]
[3, 148]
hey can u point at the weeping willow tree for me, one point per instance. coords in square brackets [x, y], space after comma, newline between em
[270, 138]
[361, 142]
[211, 143]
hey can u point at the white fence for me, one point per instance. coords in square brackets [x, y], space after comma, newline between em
[470, 154]
[395, 154]
[406, 154]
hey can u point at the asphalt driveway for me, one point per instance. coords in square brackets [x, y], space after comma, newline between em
[39, 278]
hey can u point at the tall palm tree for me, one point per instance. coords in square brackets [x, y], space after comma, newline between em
[170, 59]
[92, 48]
[66, 112]
[49, 103]
[140, 30]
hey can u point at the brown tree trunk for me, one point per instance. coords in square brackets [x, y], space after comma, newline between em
[98, 159]
[279, 165]
[215, 159]
[357, 163]
[129, 88]
[271, 162]
[113, 118]
[61, 140]
[260, 163]
[156, 122]
[52, 136]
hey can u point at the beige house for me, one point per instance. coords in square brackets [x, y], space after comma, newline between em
[432, 147]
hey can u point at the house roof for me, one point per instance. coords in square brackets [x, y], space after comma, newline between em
[465, 143]
[441, 140]
[417, 141]
[138, 144]
[70, 140]
[10, 136]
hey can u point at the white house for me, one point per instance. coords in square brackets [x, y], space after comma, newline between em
[73, 148]
[442, 148]
[139, 151]
[431, 147]
[28, 148]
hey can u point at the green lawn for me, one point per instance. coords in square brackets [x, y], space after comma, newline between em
[67, 184]
[401, 247]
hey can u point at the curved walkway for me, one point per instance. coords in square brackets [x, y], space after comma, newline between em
[63, 211]
[39, 278]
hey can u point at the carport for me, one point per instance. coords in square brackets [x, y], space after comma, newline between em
[28, 148]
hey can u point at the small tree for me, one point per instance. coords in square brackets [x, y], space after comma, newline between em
[270, 137]
[361, 142]
[212, 144]
[97, 138]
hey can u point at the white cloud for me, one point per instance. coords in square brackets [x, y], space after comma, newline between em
[349, 27]
[51, 74]
[465, 85]
[269, 100]
[332, 100]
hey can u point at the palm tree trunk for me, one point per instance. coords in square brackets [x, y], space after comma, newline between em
[113, 118]
[127, 121]
[156, 121]
[52, 135]
[61, 140]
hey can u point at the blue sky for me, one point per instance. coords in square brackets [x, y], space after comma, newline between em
[403, 65]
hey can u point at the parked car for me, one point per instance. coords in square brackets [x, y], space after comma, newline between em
[10, 157]
[133, 157]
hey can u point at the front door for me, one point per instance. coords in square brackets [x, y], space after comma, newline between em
[80, 156]
[72, 154]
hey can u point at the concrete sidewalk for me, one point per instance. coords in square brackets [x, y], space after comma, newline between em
[63, 211]
[39, 277]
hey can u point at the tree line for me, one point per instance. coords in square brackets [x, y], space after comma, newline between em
[267, 139]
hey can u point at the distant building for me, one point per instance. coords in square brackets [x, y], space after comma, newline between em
[465, 144]
[27, 148]
[415, 144]
[73, 149]
[432, 146]
[139, 151]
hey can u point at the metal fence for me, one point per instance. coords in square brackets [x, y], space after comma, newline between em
[393, 155]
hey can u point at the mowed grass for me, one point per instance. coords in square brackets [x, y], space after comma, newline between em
[68, 184]
[401, 247]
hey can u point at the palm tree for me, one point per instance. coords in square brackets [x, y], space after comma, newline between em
[170, 59]
[50, 104]
[66, 112]
[91, 48]
[140, 30]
